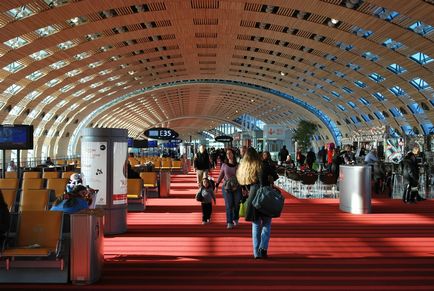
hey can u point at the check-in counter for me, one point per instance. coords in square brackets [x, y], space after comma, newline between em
[355, 189]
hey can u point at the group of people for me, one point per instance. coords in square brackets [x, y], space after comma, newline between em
[240, 180]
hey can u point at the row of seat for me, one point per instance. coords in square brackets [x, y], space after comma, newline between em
[38, 234]
[158, 163]
[35, 174]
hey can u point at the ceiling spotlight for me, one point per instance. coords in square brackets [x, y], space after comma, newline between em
[334, 21]
[282, 73]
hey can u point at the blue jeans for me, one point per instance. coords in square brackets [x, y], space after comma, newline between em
[261, 230]
[232, 203]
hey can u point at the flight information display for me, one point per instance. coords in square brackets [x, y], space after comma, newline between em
[161, 133]
[15, 137]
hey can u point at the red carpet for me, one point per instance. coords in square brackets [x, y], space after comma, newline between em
[313, 246]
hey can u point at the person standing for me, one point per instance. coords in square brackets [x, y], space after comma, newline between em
[411, 176]
[283, 154]
[201, 164]
[251, 174]
[230, 189]
[310, 158]
[12, 167]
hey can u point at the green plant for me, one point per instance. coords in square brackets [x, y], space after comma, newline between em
[304, 133]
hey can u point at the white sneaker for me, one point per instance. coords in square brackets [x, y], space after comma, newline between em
[235, 222]
[230, 226]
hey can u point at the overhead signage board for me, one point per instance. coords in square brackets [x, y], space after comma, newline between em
[161, 133]
[224, 138]
[273, 132]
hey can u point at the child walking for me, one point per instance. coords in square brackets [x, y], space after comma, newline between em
[206, 196]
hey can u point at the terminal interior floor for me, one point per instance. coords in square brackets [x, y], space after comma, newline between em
[314, 246]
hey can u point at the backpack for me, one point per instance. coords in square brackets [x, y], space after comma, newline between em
[268, 201]
[231, 184]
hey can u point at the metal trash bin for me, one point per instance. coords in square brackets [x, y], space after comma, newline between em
[164, 183]
[355, 189]
[87, 241]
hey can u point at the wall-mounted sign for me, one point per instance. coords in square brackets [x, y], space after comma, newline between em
[271, 131]
[224, 138]
[161, 133]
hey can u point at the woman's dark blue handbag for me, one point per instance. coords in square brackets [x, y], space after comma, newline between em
[269, 201]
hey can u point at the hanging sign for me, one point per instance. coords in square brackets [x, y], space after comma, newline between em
[224, 138]
[161, 133]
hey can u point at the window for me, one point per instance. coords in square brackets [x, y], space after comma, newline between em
[13, 67]
[340, 74]
[427, 128]
[355, 119]
[13, 89]
[420, 84]
[353, 66]
[370, 56]
[16, 42]
[407, 129]
[42, 54]
[352, 104]
[380, 97]
[347, 90]
[336, 94]
[20, 12]
[421, 58]
[35, 75]
[45, 31]
[415, 108]
[421, 28]
[397, 91]
[385, 14]
[397, 69]
[361, 32]
[392, 44]
[341, 107]
[364, 101]
[376, 77]
[379, 115]
[396, 112]
[326, 98]
[360, 84]
[366, 117]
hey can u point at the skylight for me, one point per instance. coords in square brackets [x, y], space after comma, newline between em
[392, 44]
[385, 14]
[380, 97]
[376, 77]
[13, 89]
[427, 128]
[420, 84]
[46, 31]
[397, 69]
[16, 42]
[326, 98]
[42, 54]
[32, 95]
[370, 56]
[52, 83]
[13, 67]
[415, 108]
[396, 112]
[362, 32]
[20, 12]
[421, 28]
[48, 99]
[353, 66]
[360, 84]
[347, 90]
[397, 91]
[421, 58]
[341, 107]
[364, 101]
[365, 117]
[379, 115]
[35, 75]
[352, 104]
[65, 45]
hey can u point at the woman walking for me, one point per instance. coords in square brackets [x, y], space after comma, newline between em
[251, 174]
[230, 189]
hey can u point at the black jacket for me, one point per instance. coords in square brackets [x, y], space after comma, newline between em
[410, 170]
[201, 162]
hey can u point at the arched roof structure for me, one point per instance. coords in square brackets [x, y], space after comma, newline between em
[343, 64]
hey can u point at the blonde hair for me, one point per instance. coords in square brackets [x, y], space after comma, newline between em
[249, 168]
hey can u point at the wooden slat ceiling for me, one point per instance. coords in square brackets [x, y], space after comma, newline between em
[192, 65]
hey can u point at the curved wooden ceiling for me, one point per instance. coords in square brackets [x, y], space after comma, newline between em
[191, 65]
